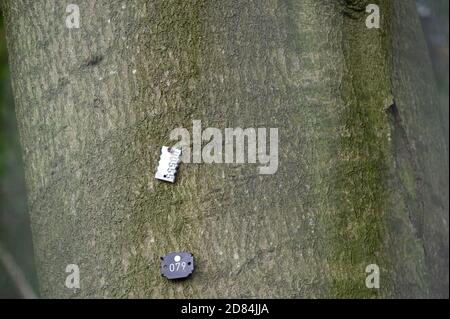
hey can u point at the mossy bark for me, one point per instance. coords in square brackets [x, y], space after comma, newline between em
[363, 173]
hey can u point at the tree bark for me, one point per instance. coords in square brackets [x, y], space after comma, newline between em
[363, 163]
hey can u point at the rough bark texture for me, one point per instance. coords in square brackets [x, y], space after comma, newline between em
[363, 174]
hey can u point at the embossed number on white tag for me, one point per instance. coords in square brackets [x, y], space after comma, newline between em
[168, 164]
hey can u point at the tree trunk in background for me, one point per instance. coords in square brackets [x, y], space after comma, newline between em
[363, 173]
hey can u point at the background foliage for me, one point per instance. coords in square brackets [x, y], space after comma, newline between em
[15, 235]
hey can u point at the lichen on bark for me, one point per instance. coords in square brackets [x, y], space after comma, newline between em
[96, 104]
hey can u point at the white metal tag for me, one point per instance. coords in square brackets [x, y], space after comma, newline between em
[168, 164]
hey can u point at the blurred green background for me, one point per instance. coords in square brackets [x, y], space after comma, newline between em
[16, 252]
[17, 272]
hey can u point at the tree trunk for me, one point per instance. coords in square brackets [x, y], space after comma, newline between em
[363, 163]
